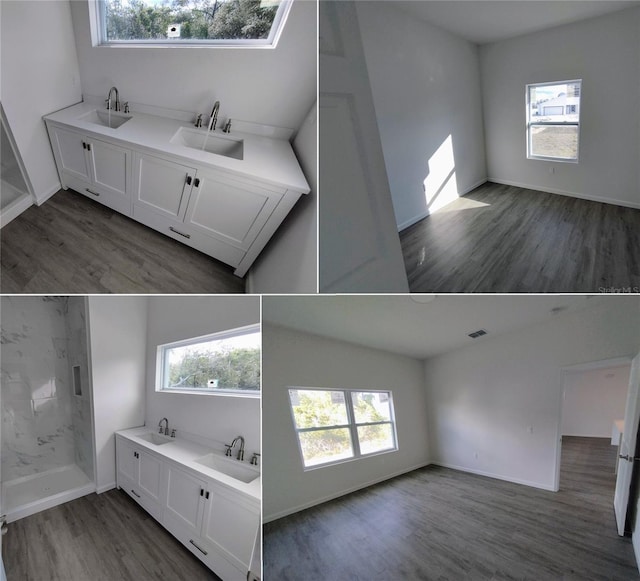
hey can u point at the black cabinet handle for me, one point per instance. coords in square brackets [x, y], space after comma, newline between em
[196, 182]
[178, 232]
[134, 492]
[197, 547]
[188, 180]
[207, 495]
[89, 146]
[84, 145]
[201, 491]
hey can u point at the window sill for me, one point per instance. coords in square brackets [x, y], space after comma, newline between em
[347, 460]
[553, 159]
[229, 393]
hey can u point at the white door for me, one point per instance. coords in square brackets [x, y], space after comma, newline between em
[127, 461]
[71, 148]
[185, 497]
[359, 243]
[110, 166]
[628, 450]
[149, 475]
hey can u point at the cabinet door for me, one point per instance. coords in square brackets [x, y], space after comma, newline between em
[185, 497]
[149, 475]
[162, 186]
[230, 209]
[127, 461]
[231, 524]
[71, 150]
[110, 166]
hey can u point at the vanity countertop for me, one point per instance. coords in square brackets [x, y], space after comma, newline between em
[185, 452]
[266, 159]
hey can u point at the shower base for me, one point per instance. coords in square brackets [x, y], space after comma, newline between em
[31, 494]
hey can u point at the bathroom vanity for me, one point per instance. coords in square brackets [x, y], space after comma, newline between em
[209, 502]
[224, 194]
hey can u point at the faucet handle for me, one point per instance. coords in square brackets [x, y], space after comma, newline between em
[228, 450]
[227, 127]
[198, 122]
[254, 459]
[160, 430]
[108, 104]
[126, 106]
[173, 433]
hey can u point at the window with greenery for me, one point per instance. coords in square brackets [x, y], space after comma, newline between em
[191, 22]
[553, 120]
[222, 363]
[338, 425]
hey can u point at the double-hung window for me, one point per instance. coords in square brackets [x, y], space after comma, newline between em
[553, 120]
[335, 425]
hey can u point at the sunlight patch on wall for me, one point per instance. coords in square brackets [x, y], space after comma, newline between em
[440, 186]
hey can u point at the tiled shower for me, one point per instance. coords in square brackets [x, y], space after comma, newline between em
[47, 451]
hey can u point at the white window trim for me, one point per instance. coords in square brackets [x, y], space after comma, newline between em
[531, 123]
[207, 392]
[352, 426]
[98, 34]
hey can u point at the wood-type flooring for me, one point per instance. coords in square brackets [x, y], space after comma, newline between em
[73, 245]
[505, 239]
[441, 524]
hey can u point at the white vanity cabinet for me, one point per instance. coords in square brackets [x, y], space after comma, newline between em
[141, 476]
[98, 169]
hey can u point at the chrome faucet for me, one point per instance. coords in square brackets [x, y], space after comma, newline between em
[108, 100]
[240, 455]
[166, 426]
[214, 116]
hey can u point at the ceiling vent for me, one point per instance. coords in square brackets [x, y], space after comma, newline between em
[477, 334]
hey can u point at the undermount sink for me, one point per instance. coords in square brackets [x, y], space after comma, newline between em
[105, 118]
[233, 468]
[206, 141]
[156, 439]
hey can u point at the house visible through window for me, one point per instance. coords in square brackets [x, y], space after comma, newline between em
[222, 363]
[553, 120]
[338, 425]
[191, 22]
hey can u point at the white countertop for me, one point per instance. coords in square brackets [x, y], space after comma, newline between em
[266, 159]
[185, 451]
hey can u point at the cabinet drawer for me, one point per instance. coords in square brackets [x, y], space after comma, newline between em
[113, 201]
[155, 509]
[210, 246]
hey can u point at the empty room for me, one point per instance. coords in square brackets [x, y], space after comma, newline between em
[450, 437]
[482, 147]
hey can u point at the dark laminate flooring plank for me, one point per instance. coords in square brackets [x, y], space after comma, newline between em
[440, 524]
[71, 244]
[103, 537]
[502, 238]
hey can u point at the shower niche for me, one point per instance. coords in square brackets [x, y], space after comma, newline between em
[47, 450]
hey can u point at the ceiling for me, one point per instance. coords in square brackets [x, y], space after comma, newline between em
[400, 325]
[481, 22]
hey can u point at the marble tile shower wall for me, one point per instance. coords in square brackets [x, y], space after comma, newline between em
[77, 354]
[37, 425]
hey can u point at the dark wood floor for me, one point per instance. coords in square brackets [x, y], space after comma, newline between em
[506, 239]
[105, 537]
[440, 524]
[72, 244]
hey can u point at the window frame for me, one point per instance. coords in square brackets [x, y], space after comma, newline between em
[220, 335]
[97, 20]
[530, 123]
[352, 425]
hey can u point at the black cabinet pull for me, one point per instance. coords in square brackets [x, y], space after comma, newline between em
[134, 492]
[197, 547]
[178, 232]
[201, 491]
[188, 180]
[84, 145]
[89, 146]
[196, 182]
[207, 495]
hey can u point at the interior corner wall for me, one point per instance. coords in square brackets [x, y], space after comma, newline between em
[593, 400]
[494, 406]
[216, 418]
[605, 53]
[426, 90]
[262, 85]
[291, 358]
[289, 262]
[40, 74]
[117, 339]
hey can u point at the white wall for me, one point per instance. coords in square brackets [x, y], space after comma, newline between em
[426, 90]
[118, 335]
[500, 397]
[217, 418]
[605, 53]
[592, 401]
[291, 358]
[39, 75]
[289, 262]
[271, 86]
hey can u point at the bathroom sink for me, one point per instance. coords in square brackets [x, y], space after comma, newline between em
[233, 468]
[156, 439]
[105, 118]
[206, 141]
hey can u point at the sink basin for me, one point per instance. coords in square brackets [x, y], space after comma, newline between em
[234, 468]
[156, 439]
[207, 141]
[106, 118]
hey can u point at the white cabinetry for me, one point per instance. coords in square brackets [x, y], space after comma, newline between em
[98, 169]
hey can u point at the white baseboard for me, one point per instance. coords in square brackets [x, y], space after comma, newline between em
[426, 213]
[601, 199]
[105, 487]
[12, 211]
[42, 198]
[496, 476]
[635, 542]
[287, 512]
